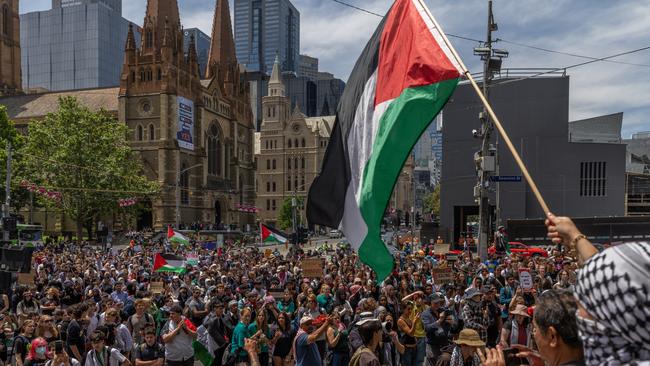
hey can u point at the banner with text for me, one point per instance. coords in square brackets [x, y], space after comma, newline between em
[185, 134]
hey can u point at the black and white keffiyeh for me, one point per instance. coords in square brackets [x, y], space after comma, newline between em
[614, 287]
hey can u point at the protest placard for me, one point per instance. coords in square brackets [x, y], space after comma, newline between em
[312, 267]
[157, 287]
[441, 249]
[26, 278]
[442, 275]
[525, 279]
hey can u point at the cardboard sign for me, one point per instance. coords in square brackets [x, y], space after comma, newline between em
[452, 257]
[442, 275]
[312, 267]
[26, 278]
[525, 279]
[441, 248]
[157, 287]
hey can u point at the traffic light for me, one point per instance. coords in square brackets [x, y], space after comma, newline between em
[418, 218]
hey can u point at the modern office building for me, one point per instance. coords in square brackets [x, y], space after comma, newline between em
[264, 28]
[578, 178]
[78, 44]
[314, 97]
[202, 42]
[308, 66]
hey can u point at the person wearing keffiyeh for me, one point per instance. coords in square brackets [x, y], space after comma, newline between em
[613, 294]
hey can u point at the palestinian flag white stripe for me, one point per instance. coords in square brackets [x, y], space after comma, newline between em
[400, 83]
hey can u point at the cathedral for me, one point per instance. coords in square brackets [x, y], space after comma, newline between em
[194, 136]
[290, 148]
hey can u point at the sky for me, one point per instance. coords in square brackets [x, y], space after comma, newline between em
[336, 34]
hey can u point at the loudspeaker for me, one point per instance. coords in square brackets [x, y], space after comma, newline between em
[15, 259]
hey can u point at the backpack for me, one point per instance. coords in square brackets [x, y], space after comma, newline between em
[356, 357]
[26, 342]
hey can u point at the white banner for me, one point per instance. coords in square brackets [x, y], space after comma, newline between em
[185, 134]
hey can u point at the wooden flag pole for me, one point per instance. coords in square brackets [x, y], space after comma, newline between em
[493, 117]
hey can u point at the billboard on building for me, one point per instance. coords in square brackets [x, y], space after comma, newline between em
[185, 134]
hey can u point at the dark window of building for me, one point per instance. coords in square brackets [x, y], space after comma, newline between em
[6, 20]
[274, 165]
[593, 179]
[214, 151]
[152, 132]
[140, 133]
[273, 206]
[268, 205]
[289, 184]
[266, 144]
[295, 162]
[185, 183]
[289, 143]
[303, 143]
[159, 74]
[149, 39]
[296, 142]
[302, 183]
[289, 163]
[268, 164]
[274, 187]
[142, 75]
[133, 76]
[268, 186]
[302, 162]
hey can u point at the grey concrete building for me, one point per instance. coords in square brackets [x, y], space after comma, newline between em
[264, 28]
[577, 179]
[202, 44]
[78, 44]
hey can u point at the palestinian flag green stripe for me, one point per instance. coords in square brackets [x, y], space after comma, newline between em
[419, 106]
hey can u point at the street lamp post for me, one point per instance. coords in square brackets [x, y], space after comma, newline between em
[178, 192]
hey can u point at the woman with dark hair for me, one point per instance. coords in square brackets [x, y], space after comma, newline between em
[23, 340]
[337, 340]
[562, 280]
[261, 331]
[283, 343]
[406, 326]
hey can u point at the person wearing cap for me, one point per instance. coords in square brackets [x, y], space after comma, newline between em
[517, 329]
[475, 315]
[305, 349]
[178, 337]
[370, 331]
[437, 323]
[467, 344]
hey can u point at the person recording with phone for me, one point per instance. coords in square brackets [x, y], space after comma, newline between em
[60, 357]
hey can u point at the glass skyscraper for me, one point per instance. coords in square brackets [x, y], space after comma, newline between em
[202, 43]
[78, 44]
[264, 28]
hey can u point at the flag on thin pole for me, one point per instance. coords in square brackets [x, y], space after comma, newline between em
[403, 78]
[175, 237]
[271, 235]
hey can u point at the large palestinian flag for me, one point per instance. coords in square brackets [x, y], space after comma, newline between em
[270, 235]
[399, 84]
[168, 263]
[176, 237]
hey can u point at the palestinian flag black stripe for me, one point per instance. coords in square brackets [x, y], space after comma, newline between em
[399, 84]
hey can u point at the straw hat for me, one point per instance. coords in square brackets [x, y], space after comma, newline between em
[521, 310]
[470, 337]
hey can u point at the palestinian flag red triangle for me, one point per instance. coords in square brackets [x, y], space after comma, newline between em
[271, 235]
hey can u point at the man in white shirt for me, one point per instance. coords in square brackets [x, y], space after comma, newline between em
[101, 355]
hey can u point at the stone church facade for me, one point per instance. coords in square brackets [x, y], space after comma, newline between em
[289, 151]
[10, 74]
[191, 133]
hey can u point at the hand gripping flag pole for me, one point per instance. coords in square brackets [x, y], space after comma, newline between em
[494, 118]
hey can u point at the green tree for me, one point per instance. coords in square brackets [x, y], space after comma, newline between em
[432, 201]
[84, 155]
[8, 133]
[285, 219]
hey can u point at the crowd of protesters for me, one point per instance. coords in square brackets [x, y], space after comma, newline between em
[241, 305]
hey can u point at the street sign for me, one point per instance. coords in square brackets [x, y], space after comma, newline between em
[505, 178]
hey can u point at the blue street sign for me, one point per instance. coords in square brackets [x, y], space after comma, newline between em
[505, 178]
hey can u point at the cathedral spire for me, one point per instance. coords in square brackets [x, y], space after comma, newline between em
[222, 46]
[159, 14]
[130, 39]
[276, 87]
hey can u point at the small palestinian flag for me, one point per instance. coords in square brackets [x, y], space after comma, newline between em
[271, 235]
[402, 80]
[176, 237]
[168, 263]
